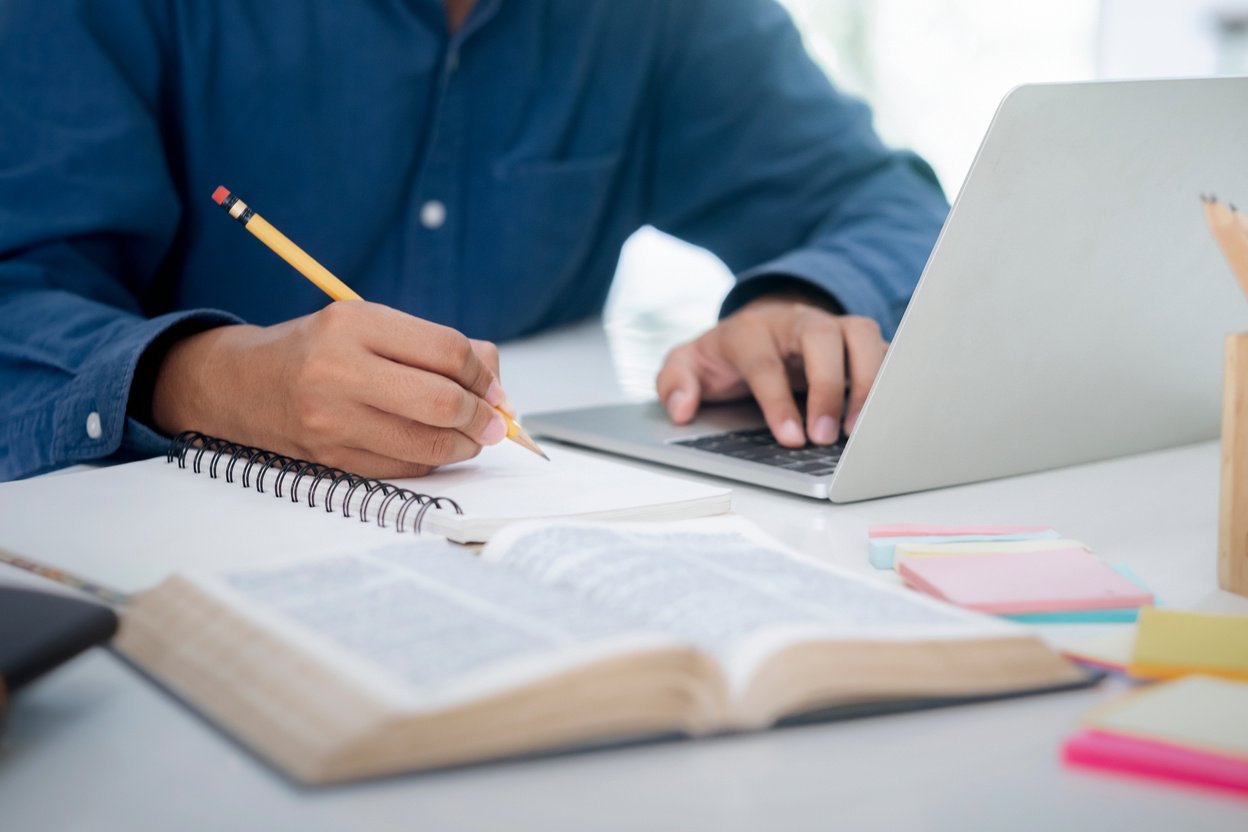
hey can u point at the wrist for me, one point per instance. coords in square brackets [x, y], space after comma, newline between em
[773, 289]
[194, 376]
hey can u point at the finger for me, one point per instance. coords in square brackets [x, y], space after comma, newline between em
[756, 356]
[678, 386]
[439, 349]
[403, 440]
[427, 398]
[865, 350]
[823, 353]
[488, 353]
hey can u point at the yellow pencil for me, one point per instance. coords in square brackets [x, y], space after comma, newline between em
[325, 280]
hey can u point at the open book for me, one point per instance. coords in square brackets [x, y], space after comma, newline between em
[419, 654]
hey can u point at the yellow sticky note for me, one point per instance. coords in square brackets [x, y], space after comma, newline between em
[982, 547]
[1110, 650]
[1199, 712]
[1170, 643]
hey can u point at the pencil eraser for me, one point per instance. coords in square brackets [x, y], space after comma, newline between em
[219, 195]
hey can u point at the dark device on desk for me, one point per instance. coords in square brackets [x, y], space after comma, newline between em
[40, 630]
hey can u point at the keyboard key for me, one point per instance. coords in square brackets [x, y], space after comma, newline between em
[759, 446]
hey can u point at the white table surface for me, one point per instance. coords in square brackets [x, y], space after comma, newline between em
[94, 746]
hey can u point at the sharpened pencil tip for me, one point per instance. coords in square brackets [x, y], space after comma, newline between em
[525, 441]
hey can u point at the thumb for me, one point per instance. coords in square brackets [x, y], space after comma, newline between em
[678, 386]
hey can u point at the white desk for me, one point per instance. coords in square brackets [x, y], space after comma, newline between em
[93, 746]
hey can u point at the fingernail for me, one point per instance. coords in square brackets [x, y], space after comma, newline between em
[494, 432]
[850, 421]
[676, 401]
[494, 395]
[508, 408]
[791, 433]
[824, 431]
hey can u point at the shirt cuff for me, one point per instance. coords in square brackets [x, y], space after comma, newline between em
[138, 441]
[90, 419]
[851, 289]
[763, 285]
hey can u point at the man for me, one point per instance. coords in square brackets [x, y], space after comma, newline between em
[470, 167]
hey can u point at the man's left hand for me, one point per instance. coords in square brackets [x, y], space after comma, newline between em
[769, 348]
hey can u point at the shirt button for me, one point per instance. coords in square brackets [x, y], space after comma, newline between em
[94, 429]
[432, 214]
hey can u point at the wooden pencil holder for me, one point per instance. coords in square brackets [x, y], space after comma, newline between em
[1233, 510]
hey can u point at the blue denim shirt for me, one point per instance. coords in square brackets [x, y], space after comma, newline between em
[546, 131]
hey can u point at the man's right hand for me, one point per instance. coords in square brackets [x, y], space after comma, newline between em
[357, 386]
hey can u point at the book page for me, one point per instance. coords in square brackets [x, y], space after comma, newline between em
[723, 586]
[427, 623]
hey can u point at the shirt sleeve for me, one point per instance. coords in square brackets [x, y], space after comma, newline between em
[88, 213]
[762, 161]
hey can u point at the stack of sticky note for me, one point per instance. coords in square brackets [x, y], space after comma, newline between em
[882, 540]
[1108, 651]
[1028, 573]
[1172, 643]
[1191, 730]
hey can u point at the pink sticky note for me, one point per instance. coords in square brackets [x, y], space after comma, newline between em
[1147, 758]
[1023, 582]
[946, 530]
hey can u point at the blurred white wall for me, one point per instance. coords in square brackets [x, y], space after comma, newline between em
[1172, 38]
[935, 71]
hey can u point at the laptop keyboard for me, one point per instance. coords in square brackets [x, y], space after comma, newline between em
[758, 445]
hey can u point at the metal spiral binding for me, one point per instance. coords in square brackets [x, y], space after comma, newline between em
[207, 453]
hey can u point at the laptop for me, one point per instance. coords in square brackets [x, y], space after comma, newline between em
[1073, 309]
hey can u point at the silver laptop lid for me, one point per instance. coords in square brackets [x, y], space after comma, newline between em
[1075, 305]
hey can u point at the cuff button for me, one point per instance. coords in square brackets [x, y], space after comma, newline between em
[94, 429]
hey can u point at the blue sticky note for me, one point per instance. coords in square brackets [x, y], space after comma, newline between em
[1120, 616]
[881, 549]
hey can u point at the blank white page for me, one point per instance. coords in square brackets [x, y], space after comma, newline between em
[129, 526]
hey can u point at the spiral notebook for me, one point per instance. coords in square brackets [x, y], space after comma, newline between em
[211, 503]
